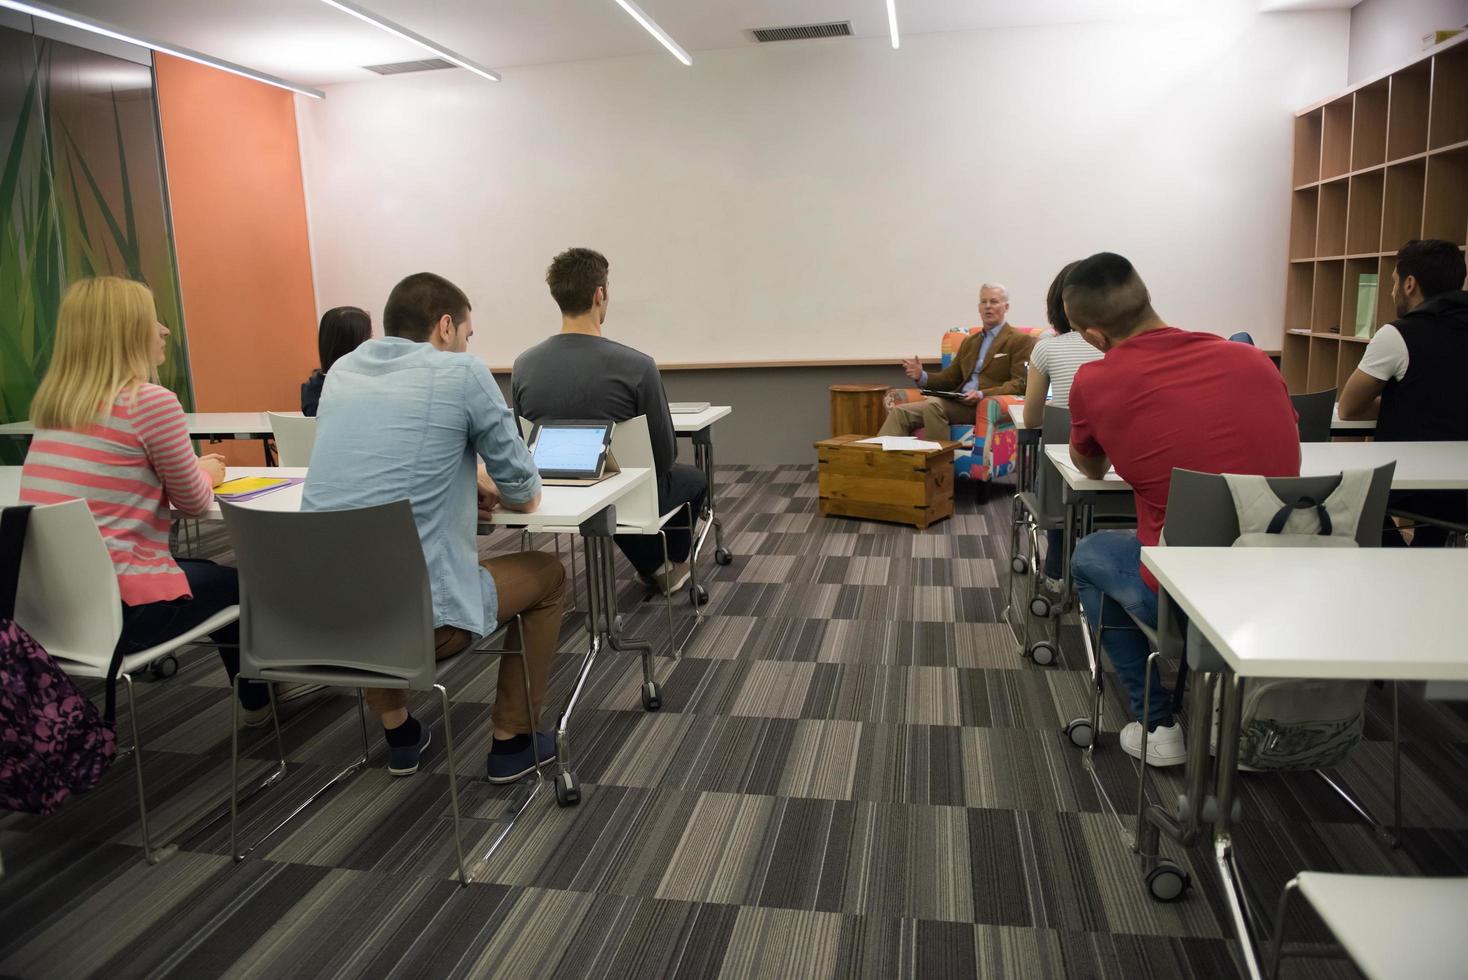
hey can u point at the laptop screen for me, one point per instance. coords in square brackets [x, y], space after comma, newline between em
[570, 449]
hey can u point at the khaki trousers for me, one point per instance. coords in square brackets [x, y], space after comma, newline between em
[932, 415]
[531, 585]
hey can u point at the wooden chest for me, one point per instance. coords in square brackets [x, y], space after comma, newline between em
[904, 486]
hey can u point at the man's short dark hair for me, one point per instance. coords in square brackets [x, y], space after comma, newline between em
[1105, 293]
[1055, 300]
[1437, 265]
[573, 277]
[420, 301]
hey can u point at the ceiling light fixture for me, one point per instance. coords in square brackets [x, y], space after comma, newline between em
[106, 30]
[650, 25]
[381, 23]
[892, 22]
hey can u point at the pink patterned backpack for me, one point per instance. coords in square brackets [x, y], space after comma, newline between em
[53, 741]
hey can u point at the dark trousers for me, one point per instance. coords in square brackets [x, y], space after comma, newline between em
[684, 484]
[215, 587]
[1444, 505]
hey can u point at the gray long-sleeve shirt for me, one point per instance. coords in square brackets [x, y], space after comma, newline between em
[577, 376]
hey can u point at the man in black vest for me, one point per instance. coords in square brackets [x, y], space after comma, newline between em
[1413, 377]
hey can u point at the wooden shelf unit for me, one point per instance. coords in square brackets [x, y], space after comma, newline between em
[1374, 167]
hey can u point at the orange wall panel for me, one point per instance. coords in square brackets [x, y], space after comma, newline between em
[244, 256]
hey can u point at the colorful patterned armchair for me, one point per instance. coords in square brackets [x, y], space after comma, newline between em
[989, 446]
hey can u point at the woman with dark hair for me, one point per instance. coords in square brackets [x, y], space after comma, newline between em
[342, 330]
[1053, 366]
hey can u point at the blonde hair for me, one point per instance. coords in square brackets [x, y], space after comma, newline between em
[105, 334]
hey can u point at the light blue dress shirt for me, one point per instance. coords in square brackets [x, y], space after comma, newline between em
[402, 420]
[972, 384]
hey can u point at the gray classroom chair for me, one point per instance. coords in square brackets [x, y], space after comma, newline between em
[1387, 926]
[1315, 411]
[339, 598]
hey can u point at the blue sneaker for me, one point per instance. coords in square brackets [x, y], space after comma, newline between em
[402, 760]
[509, 767]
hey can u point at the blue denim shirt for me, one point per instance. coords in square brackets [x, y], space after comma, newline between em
[401, 420]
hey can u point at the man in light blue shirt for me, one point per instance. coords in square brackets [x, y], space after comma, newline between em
[403, 417]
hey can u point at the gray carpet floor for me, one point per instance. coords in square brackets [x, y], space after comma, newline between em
[853, 774]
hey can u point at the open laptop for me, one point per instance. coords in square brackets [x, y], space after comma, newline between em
[687, 408]
[573, 453]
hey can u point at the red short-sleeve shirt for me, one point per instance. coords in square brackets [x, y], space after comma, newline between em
[1174, 398]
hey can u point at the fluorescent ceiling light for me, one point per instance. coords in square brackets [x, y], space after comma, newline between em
[106, 30]
[381, 23]
[649, 25]
[892, 22]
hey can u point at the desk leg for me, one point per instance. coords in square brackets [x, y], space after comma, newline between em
[1230, 719]
[703, 458]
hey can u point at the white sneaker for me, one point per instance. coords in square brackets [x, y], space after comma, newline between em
[1165, 745]
[1055, 586]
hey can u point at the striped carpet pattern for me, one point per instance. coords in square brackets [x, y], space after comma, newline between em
[853, 774]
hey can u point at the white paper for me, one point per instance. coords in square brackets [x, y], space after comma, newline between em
[901, 443]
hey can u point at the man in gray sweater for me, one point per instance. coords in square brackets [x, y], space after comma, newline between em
[579, 374]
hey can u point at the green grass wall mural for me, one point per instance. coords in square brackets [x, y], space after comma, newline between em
[81, 193]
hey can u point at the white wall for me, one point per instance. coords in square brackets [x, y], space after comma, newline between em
[832, 199]
[1386, 34]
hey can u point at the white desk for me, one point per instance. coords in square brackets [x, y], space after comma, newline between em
[1017, 415]
[699, 427]
[9, 486]
[1351, 427]
[1276, 612]
[1420, 465]
[1259, 608]
[209, 426]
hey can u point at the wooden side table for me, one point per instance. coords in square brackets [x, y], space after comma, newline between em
[903, 486]
[858, 410]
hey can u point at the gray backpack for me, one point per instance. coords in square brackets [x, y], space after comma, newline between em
[1299, 724]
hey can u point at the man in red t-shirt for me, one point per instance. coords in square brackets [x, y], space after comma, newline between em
[1160, 398]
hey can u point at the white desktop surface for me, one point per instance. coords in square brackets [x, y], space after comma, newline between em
[1299, 612]
[239, 425]
[1420, 465]
[1339, 424]
[559, 506]
[698, 421]
[9, 486]
[1017, 415]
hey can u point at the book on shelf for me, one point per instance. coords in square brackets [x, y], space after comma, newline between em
[1366, 285]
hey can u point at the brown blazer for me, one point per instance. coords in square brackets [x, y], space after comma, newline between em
[1004, 371]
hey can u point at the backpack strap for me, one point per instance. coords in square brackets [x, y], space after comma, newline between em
[1282, 516]
[13, 521]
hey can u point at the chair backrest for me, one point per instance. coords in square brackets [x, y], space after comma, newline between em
[68, 599]
[1315, 410]
[294, 437]
[1201, 514]
[343, 589]
[632, 449]
[1055, 431]
[526, 427]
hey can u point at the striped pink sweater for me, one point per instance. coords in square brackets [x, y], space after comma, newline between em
[128, 468]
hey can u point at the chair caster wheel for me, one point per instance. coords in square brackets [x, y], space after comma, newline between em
[722, 556]
[568, 791]
[1167, 882]
[1040, 607]
[1043, 653]
[698, 595]
[1020, 565]
[617, 623]
[652, 696]
[165, 668]
[1079, 732]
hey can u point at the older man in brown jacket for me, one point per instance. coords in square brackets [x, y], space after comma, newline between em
[990, 362]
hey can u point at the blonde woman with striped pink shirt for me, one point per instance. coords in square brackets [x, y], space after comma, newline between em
[108, 434]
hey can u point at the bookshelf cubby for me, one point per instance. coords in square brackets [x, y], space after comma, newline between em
[1374, 167]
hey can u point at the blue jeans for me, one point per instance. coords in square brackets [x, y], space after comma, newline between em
[1109, 564]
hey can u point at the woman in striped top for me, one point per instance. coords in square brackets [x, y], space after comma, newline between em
[108, 434]
[1053, 366]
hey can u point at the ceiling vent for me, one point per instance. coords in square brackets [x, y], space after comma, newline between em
[803, 32]
[404, 67]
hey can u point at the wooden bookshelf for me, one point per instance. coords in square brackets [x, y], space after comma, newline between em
[1374, 167]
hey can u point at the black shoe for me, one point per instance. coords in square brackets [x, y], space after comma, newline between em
[509, 767]
[402, 760]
